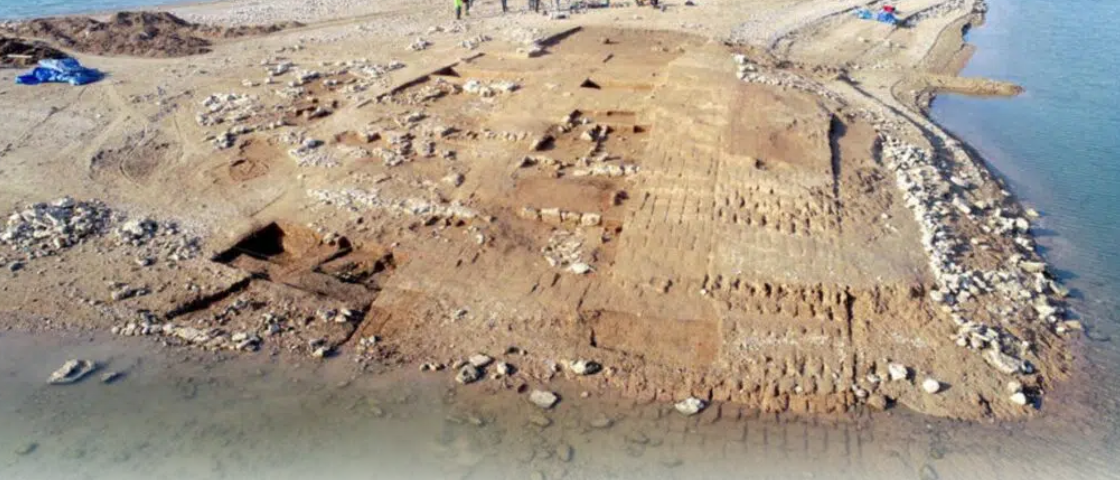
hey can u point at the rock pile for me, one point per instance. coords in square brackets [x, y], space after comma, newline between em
[938, 199]
[564, 250]
[358, 199]
[751, 72]
[43, 229]
[475, 87]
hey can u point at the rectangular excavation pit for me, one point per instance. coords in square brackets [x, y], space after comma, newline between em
[300, 258]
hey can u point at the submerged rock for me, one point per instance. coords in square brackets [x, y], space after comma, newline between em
[71, 371]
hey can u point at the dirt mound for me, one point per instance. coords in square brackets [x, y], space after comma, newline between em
[141, 34]
[15, 52]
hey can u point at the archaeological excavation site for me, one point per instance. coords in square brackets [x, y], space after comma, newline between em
[648, 213]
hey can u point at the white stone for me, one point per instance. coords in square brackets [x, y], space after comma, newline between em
[71, 371]
[468, 374]
[690, 406]
[580, 268]
[584, 367]
[898, 372]
[931, 386]
[479, 360]
[1019, 398]
[543, 398]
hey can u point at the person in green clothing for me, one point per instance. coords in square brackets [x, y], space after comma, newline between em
[458, 9]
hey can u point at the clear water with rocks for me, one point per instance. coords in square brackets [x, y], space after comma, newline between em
[254, 418]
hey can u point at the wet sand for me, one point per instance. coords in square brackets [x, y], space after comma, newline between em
[255, 418]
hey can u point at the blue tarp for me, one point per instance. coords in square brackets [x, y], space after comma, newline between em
[881, 16]
[63, 70]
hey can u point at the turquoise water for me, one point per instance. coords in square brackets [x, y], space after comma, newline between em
[1058, 145]
[14, 9]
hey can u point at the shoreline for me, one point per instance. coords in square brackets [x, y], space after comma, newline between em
[709, 394]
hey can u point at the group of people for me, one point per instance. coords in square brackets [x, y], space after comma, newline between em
[464, 7]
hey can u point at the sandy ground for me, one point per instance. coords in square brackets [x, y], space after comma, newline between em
[784, 230]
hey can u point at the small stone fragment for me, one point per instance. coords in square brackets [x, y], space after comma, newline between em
[931, 386]
[898, 372]
[540, 420]
[27, 448]
[690, 406]
[580, 268]
[479, 360]
[584, 367]
[71, 371]
[468, 374]
[564, 452]
[601, 421]
[543, 399]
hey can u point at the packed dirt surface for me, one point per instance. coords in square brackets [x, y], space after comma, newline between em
[139, 34]
[757, 219]
[15, 52]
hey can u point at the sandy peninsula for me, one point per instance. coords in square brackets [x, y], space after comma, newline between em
[714, 202]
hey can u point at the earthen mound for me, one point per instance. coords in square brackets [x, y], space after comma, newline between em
[141, 34]
[16, 52]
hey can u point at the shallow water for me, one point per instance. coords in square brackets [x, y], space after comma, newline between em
[1057, 145]
[16, 9]
[253, 418]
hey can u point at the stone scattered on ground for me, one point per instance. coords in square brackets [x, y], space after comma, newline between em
[468, 374]
[931, 386]
[27, 448]
[898, 372]
[543, 399]
[540, 420]
[480, 360]
[601, 421]
[564, 452]
[584, 367]
[690, 406]
[71, 372]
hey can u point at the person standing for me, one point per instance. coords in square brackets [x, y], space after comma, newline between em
[504, 8]
[458, 9]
